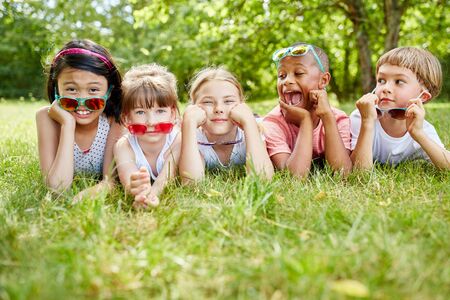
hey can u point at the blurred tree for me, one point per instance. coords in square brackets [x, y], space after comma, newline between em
[187, 35]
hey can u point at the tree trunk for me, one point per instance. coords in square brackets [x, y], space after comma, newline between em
[393, 11]
[355, 11]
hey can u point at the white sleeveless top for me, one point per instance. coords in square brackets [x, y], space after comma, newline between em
[141, 161]
[212, 161]
[91, 160]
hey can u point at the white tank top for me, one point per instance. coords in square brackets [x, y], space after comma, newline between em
[91, 160]
[141, 161]
[212, 161]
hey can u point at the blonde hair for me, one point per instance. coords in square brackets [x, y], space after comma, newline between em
[145, 85]
[209, 74]
[422, 63]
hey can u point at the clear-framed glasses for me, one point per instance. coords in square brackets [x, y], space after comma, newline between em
[220, 143]
[299, 50]
[91, 103]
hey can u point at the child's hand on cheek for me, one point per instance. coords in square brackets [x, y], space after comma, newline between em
[241, 113]
[319, 102]
[366, 106]
[415, 114]
[60, 115]
[195, 114]
[294, 115]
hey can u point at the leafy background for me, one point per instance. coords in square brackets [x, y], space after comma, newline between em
[188, 35]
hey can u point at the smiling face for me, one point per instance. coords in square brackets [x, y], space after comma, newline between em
[217, 98]
[297, 75]
[396, 86]
[77, 83]
[150, 117]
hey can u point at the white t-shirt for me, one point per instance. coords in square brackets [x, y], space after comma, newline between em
[212, 161]
[141, 161]
[392, 150]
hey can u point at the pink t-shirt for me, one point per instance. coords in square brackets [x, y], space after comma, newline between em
[281, 135]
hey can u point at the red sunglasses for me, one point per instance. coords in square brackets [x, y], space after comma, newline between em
[141, 129]
[91, 103]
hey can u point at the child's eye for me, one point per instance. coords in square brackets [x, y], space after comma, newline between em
[399, 81]
[140, 112]
[382, 81]
[299, 73]
[207, 102]
[94, 90]
[281, 76]
[230, 101]
[160, 111]
[70, 90]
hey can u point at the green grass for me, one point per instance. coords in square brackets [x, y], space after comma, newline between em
[227, 237]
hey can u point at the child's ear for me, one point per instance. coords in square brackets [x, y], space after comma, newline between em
[324, 80]
[125, 120]
[425, 96]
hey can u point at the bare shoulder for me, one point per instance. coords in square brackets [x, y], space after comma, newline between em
[42, 113]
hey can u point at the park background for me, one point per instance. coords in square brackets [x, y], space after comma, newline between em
[186, 36]
[381, 234]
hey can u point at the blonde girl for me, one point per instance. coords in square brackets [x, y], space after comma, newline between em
[219, 129]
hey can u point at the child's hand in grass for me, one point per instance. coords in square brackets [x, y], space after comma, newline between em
[366, 106]
[293, 114]
[194, 114]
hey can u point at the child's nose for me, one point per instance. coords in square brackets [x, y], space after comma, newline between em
[289, 79]
[218, 108]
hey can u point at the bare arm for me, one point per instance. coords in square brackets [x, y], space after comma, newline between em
[56, 136]
[257, 159]
[299, 161]
[414, 122]
[192, 164]
[337, 156]
[170, 167]
[362, 155]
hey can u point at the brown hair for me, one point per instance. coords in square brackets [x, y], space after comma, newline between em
[422, 63]
[213, 73]
[145, 85]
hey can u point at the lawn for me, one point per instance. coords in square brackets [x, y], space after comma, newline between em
[378, 235]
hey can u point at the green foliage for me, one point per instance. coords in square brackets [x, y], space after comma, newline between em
[189, 35]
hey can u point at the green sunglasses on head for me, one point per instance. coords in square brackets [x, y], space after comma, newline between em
[299, 50]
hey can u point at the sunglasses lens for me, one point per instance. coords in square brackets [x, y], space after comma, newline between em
[95, 103]
[398, 114]
[299, 50]
[68, 104]
[379, 113]
[278, 54]
[164, 127]
[137, 129]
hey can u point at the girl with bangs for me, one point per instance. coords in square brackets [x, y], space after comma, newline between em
[147, 157]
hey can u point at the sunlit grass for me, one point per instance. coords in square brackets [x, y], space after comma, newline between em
[381, 235]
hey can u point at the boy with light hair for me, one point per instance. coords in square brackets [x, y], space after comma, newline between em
[389, 125]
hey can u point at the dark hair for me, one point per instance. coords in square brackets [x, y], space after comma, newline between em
[92, 64]
[320, 53]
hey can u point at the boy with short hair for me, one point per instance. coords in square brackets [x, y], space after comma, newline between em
[389, 126]
[304, 125]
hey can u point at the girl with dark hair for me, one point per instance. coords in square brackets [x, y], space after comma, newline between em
[77, 132]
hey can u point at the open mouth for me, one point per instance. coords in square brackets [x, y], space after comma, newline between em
[293, 98]
[82, 112]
